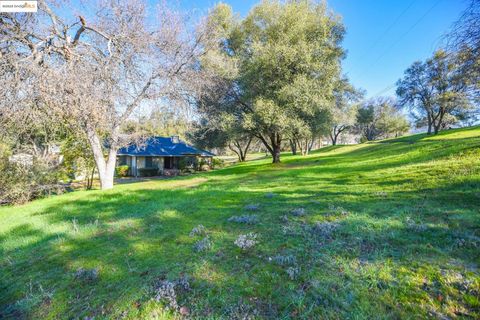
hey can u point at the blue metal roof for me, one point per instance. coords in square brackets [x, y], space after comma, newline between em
[162, 146]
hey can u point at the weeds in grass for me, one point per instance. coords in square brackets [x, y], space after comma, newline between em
[293, 272]
[198, 231]
[324, 229]
[414, 226]
[87, 275]
[242, 311]
[202, 245]
[165, 293]
[246, 241]
[337, 210]
[381, 194]
[34, 296]
[467, 240]
[246, 219]
[285, 260]
[75, 225]
[292, 230]
[298, 212]
[252, 207]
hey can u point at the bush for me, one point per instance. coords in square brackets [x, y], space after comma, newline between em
[182, 164]
[20, 183]
[122, 171]
[217, 163]
[203, 165]
[147, 172]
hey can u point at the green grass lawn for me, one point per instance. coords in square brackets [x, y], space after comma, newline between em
[390, 229]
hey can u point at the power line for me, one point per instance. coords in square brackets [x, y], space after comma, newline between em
[385, 32]
[379, 93]
[401, 37]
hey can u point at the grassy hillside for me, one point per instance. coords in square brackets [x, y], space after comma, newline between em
[380, 230]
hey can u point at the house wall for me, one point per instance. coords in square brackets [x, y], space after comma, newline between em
[140, 162]
[158, 162]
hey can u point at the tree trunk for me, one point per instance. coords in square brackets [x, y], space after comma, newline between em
[273, 147]
[303, 145]
[236, 152]
[439, 121]
[333, 137]
[90, 180]
[245, 151]
[293, 146]
[107, 183]
[429, 122]
[276, 154]
[106, 169]
[310, 146]
[240, 151]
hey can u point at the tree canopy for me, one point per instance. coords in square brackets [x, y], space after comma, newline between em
[379, 119]
[279, 65]
[434, 89]
[92, 71]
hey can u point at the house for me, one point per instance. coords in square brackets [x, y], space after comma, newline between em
[161, 156]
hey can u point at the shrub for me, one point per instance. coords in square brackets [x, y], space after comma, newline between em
[217, 163]
[147, 172]
[21, 183]
[182, 164]
[203, 165]
[122, 171]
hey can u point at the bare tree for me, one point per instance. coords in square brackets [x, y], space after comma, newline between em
[93, 71]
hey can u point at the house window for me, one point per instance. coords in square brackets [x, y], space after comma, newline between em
[122, 160]
[148, 162]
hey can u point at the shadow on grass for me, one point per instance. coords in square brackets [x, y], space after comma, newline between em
[135, 236]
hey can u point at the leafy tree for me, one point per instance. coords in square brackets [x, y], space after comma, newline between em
[161, 121]
[223, 134]
[220, 124]
[279, 63]
[344, 112]
[435, 89]
[379, 119]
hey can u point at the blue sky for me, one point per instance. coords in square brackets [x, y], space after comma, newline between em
[383, 36]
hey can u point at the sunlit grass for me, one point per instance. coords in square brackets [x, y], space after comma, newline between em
[405, 241]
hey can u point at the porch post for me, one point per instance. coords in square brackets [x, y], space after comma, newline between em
[134, 166]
